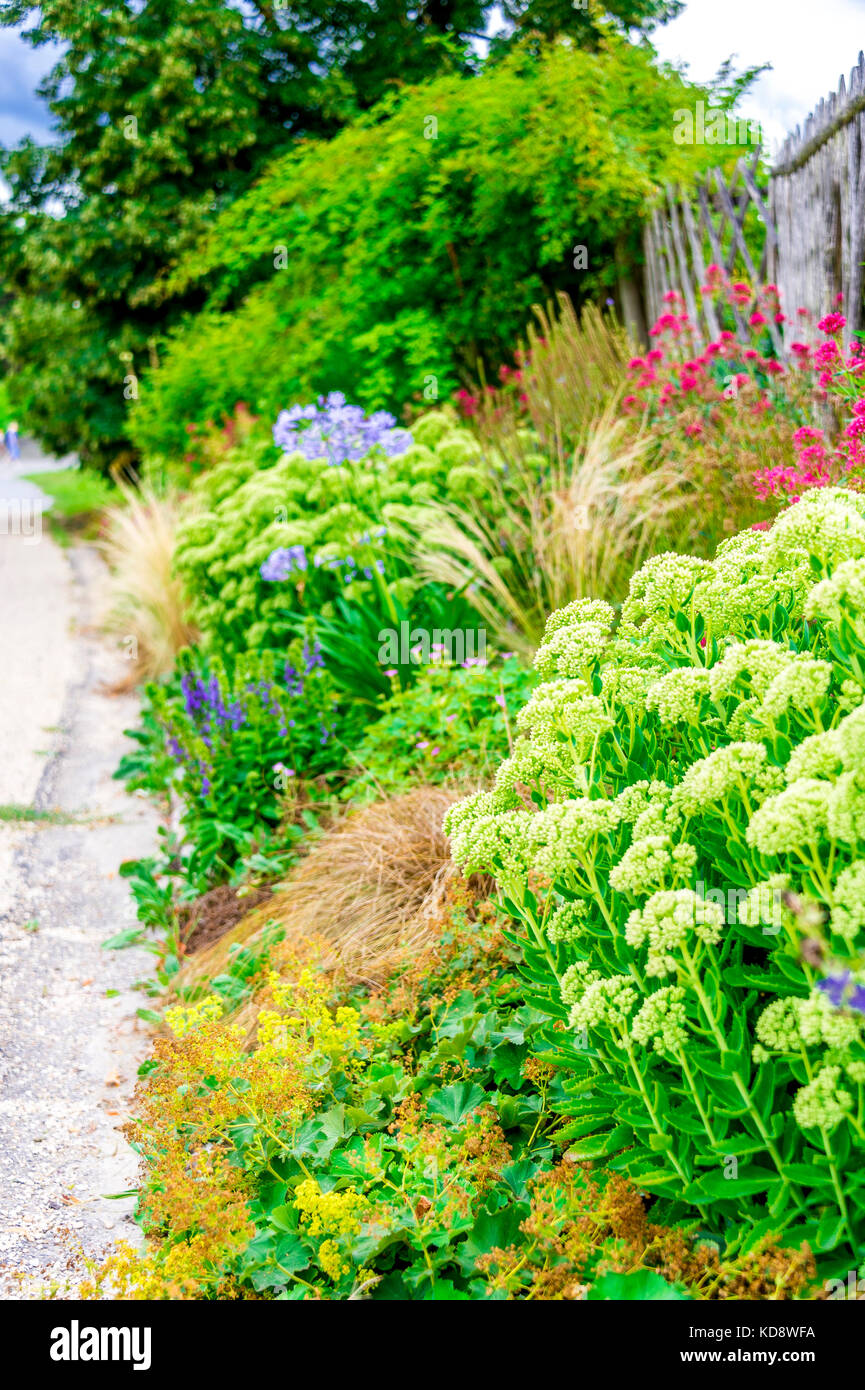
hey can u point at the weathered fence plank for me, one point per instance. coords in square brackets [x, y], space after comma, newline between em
[812, 212]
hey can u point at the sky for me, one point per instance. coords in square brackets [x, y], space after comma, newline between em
[809, 43]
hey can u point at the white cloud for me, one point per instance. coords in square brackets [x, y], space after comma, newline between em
[808, 44]
[21, 70]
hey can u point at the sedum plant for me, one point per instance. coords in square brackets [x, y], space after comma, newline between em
[267, 542]
[680, 833]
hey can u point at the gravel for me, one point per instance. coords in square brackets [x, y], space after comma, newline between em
[70, 1040]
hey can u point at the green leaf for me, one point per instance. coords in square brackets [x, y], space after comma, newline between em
[748, 1182]
[806, 1175]
[131, 937]
[640, 1286]
[454, 1103]
[830, 1230]
[492, 1231]
[600, 1145]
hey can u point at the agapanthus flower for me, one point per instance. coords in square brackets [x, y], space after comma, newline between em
[338, 432]
[283, 562]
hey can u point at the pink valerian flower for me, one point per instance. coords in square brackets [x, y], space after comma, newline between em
[667, 323]
[826, 354]
[757, 319]
[655, 355]
[832, 324]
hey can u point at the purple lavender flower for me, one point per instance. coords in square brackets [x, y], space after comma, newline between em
[312, 658]
[194, 693]
[293, 680]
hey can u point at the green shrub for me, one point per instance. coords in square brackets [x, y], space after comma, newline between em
[453, 720]
[387, 261]
[681, 830]
[234, 742]
[345, 534]
[394, 1144]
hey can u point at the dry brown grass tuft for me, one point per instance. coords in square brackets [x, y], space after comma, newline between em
[367, 893]
[146, 607]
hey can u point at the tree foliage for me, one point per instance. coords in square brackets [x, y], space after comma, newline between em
[387, 263]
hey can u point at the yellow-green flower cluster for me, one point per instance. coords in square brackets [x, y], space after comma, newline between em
[792, 1025]
[651, 863]
[802, 685]
[736, 768]
[564, 710]
[671, 921]
[843, 591]
[677, 697]
[184, 1019]
[818, 755]
[848, 909]
[604, 1003]
[748, 668]
[571, 650]
[567, 922]
[661, 1020]
[764, 904]
[796, 817]
[824, 1102]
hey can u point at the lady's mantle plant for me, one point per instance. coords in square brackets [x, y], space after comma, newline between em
[681, 831]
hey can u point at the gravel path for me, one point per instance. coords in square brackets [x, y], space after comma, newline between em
[70, 1041]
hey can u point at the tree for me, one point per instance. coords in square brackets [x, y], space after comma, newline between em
[165, 111]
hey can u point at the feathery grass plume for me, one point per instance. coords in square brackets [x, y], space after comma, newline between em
[368, 890]
[570, 369]
[568, 524]
[146, 609]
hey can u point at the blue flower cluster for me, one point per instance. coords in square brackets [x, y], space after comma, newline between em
[842, 993]
[287, 560]
[283, 562]
[338, 432]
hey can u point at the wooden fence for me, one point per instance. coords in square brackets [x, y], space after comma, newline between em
[807, 215]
